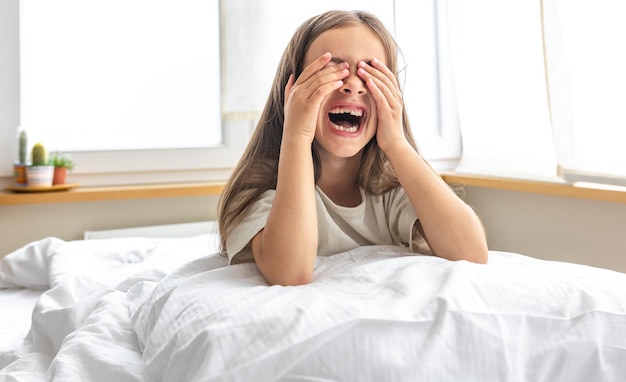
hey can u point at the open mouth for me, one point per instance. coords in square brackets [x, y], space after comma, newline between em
[344, 119]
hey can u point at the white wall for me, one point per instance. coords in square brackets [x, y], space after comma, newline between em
[547, 227]
[554, 228]
[21, 224]
[9, 84]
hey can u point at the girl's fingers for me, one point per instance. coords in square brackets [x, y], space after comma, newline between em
[381, 82]
[314, 67]
[331, 75]
[384, 96]
[317, 67]
[379, 70]
[377, 90]
[321, 81]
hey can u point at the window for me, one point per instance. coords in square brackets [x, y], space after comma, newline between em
[125, 86]
[126, 80]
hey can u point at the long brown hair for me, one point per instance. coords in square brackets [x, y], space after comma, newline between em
[257, 169]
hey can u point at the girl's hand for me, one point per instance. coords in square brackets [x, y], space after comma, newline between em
[303, 97]
[385, 91]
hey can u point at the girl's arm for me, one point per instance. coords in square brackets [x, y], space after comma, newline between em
[451, 228]
[285, 250]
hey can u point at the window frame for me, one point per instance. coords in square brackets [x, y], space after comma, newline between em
[441, 143]
[155, 165]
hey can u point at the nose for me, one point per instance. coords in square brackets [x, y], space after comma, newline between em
[353, 84]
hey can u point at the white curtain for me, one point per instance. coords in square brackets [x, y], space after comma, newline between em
[585, 45]
[541, 87]
[498, 67]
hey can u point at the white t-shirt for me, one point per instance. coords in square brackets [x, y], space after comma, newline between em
[379, 219]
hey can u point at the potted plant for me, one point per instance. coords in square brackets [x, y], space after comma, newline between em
[40, 172]
[19, 167]
[62, 164]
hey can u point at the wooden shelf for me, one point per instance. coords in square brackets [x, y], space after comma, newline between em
[87, 194]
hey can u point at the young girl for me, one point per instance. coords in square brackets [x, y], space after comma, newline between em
[332, 164]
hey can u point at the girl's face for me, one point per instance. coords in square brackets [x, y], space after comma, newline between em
[347, 118]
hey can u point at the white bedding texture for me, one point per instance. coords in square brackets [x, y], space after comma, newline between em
[16, 306]
[138, 309]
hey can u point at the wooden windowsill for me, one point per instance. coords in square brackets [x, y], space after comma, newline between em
[87, 194]
[582, 191]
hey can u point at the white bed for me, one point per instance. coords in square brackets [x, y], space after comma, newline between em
[16, 307]
[138, 309]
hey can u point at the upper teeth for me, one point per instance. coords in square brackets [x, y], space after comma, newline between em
[340, 110]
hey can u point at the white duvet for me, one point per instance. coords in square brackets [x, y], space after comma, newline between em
[172, 310]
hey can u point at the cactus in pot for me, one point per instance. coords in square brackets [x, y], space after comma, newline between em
[40, 173]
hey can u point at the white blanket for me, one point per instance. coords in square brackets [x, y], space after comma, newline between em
[81, 325]
[144, 310]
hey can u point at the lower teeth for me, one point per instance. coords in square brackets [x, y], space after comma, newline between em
[352, 129]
